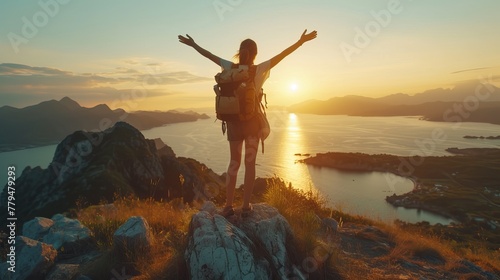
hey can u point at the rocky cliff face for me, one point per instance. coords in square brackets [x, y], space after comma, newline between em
[257, 247]
[94, 167]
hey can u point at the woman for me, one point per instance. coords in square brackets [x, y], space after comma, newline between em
[239, 132]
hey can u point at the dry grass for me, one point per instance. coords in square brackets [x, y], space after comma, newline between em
[412, 246]
[299, 208]
[169, 225]
[480, 255]
[424, 248]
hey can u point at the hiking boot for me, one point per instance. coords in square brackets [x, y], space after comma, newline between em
[245, 212]
[227, 211]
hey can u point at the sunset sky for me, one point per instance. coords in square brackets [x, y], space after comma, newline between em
[126, 53]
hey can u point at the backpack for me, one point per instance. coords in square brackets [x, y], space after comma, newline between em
[236, 98]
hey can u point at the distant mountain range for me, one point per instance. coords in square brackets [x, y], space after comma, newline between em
[50, 121]
[468, 102]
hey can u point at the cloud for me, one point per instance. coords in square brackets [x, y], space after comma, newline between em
[24, 82]
[471, 69]
[18, 74]
[172, 78]
[27, 76]
[20, 69]
[131, 61]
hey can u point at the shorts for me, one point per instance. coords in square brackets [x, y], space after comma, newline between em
[241, 130]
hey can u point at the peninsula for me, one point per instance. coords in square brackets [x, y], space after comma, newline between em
[463, 186]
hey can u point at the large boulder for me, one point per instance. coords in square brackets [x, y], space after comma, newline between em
[218, 250]
[69, 234]
[37, 228]
[34, 260]
[133, 236]
[270, 231]
[60, 236]
[256, 247]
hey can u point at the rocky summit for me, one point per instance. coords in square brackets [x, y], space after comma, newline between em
[257, 247]
[92, 167]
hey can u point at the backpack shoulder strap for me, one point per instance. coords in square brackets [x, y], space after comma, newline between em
[252, 71]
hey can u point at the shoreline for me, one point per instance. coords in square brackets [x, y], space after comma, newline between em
[420, 207]
[441, 185]
[27, 147]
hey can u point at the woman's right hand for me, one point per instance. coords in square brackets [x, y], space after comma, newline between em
[188, 41]
[308, 37]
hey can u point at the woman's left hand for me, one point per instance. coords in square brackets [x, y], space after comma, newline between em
[188, 41]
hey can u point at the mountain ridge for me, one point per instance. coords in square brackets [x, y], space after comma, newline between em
[458, 93]
[472, 102]
[50, 121]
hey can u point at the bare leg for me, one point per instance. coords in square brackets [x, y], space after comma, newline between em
[251, 150]
[235, 148]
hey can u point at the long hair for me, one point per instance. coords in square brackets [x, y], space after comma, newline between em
[247, 52]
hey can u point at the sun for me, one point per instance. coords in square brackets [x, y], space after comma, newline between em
[294, 87]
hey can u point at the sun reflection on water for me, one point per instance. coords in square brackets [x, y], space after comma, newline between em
[292, 144]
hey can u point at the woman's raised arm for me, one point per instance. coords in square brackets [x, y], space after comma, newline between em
[303, 38]
[190, 42]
